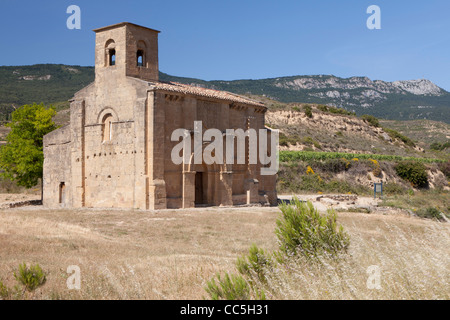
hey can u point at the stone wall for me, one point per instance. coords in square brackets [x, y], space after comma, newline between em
[221, 185]
[56, 169]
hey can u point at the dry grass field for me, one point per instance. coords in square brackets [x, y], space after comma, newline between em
[170, 254]
[130, 254]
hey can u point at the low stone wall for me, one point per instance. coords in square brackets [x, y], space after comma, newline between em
[339, 197]
[21, 204]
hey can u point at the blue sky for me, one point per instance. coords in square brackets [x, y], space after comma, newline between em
[245, 39]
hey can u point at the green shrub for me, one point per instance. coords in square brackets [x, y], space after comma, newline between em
[342, 186]
[302, 230]
[310, 141]
[231, 287]
[445, 168]
[257, 262]
[373, 121]
[4, 292]
[430, 213]
[285, 141]
[311, 183]
[414, 172]
[31, 277]
[394, 189]
[308, 110]
[439, 146]
[341, 111]
[376, 168]
[335, 110]
[397, 135]
[322, 108]
[333, 165]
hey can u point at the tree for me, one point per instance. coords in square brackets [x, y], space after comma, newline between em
[22, 158]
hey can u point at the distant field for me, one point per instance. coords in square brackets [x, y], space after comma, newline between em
[286, 156]
[170, 254]
[425, 132]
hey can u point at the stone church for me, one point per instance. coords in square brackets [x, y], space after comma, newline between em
[116, 151]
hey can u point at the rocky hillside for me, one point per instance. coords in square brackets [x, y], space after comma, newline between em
[327, 134]
[333, 132]
[372, 89]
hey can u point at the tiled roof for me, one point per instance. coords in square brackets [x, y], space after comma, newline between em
[209, 93]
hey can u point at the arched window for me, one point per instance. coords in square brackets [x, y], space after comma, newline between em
[110, 51]
[112, 57]
[107, 127]
[140, 58]
[62, 193]
[140, 54]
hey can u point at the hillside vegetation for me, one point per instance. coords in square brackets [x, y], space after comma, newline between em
[324, 149]
[312, 127]
[46, 83]
[428, 134]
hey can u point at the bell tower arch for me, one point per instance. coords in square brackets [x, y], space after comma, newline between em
[128, 50]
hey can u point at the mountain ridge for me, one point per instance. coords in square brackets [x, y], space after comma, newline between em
[396, 100]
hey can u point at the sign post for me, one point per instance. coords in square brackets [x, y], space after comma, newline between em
[377, 188]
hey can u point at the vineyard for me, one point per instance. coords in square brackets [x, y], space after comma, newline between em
[291, 156]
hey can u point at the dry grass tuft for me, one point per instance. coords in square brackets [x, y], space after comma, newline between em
[389, 258]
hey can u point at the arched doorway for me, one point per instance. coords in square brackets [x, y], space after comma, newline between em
[203, 185]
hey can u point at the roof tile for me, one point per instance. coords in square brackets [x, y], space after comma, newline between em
[209, 93]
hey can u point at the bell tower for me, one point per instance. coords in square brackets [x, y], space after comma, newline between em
[128, 50]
